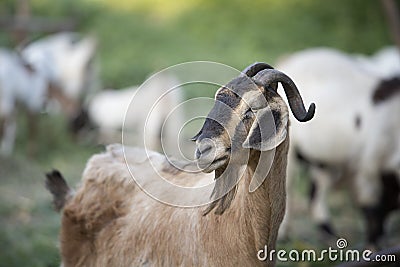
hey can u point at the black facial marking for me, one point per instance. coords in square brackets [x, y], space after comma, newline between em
[386, 89]
[277, 117]
[241, 85]
[194, 138]
[228, 97]
[211, 129]
[227, 100]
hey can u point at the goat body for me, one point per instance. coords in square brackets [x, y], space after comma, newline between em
[115, 221]
[110, 221]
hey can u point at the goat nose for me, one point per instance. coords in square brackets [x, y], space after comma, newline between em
[204, 147]
[202, 150]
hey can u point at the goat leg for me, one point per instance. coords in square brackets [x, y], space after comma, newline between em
[8, 129]
[32, 133]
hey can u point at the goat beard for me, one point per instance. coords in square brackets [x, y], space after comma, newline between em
[224, 192]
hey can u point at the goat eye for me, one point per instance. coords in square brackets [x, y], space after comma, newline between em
[248, 115]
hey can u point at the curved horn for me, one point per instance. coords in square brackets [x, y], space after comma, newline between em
[266, 77]
[254, 68]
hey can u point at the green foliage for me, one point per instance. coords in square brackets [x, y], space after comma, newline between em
[139, 37]
[29, 225]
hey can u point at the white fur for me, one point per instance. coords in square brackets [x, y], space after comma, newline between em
[341, 87]
[64, 58]
[17, 85]
[385, 63]
[129, 108]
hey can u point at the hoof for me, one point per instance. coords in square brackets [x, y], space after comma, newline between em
[327, 229]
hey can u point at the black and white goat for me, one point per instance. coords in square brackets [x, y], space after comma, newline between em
[22, 84]
[355, 133]
[67, 60]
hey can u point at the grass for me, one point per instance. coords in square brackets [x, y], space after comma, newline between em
[29, 225]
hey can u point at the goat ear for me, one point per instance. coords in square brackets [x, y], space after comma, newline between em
[268, 129]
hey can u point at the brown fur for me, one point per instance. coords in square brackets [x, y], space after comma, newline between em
[111, 222]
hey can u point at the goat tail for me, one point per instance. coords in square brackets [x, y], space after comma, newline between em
[59, 188]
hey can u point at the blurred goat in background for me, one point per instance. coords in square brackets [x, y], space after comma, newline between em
[20, 83]
[355, 133]
[57, 67]
[67, 60]
[147, 114]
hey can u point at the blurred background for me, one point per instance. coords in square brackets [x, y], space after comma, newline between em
[137, 38]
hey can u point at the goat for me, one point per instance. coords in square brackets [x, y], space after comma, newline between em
[130, 109]
[109, 221]
[66, 59]
[378, 175]
[344, 141]
[19, 83]
[385, 62]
